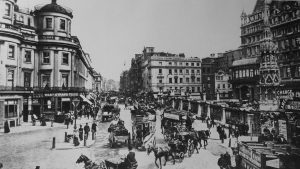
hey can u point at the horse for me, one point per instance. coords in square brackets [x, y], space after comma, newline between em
[203, 135]
[159, 153]
[88, 164]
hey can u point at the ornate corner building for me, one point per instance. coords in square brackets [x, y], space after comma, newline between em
[42, 65]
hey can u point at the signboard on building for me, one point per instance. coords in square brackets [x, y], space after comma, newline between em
[172, 116]
[41, 95]
[289, 104]
[250, 155]
[283, 128]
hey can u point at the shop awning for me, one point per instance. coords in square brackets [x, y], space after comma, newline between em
[86, 100]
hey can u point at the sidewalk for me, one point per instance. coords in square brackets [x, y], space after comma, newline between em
[28, 127]
[70, 145]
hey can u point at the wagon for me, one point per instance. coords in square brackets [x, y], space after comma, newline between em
[115, 163]
[113, 140]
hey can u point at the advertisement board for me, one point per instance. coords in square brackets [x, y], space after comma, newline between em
[250, 155]
[282, 128]
[172, 116]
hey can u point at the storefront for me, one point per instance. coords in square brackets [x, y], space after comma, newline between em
[50, 104]
[11, 107]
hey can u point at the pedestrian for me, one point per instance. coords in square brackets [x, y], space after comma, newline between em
[213, 122]
[86, 131]
[229, 130]
[94, 128]
[222, 135]
[67, 121]
[221, 162]
[80, 132]
[188, 123]
[6, 127]
[1, 165]
[130, 159]
[227, 160]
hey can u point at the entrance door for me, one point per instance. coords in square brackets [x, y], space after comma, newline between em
[25, 113]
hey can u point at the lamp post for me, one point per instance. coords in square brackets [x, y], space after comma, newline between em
[75, 103]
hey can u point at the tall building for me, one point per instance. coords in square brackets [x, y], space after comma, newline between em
[170, 73]
[43, 67]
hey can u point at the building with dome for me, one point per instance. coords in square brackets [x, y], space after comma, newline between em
[43, 67]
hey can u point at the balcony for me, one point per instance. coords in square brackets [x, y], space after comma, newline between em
[49, 38]
[10, 29]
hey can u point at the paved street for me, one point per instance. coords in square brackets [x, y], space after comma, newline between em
[28, 152]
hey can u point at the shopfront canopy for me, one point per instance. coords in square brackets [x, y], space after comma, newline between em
[86, 100]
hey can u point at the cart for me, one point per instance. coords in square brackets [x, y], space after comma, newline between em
[115, 163]
[185, 137]
[118, 134]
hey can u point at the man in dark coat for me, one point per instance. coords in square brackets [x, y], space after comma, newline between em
[188, 123]
[6, 127]
[86, 130]
[130, 159]
[94, 128]
[80, 132]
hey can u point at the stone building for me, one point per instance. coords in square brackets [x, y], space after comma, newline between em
[43, 67]
[170, 73]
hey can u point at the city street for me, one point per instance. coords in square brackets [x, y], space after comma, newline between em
[28, 153]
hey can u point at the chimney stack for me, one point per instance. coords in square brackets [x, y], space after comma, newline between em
[54, 2]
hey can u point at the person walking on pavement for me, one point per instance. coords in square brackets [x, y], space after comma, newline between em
[6, 127]
[94, 128]
[67, 121]
[80, 132]
[222, 162]
[86, 131]
[130, 159]
[223, 135]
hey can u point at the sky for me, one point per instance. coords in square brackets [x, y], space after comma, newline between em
[113, 31]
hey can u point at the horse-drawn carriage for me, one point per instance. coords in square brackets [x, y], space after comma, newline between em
[108, 111]
[118, 134]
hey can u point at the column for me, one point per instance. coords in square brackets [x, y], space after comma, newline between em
[181, 104]
[29, 108]
[173, 103]
[199, 110]
[189, 107]
[223, 115]
[208, 110]
[250, 122]
[218, 96]
[204, 96]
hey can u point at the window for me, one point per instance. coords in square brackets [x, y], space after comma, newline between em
[198, 79]
[22, 18]
[187, 80]
[160, 71]
[193, 71]
[62, 24]
[29, 22]
[180, 63]
[193, 64]
[10, 78]
[11, 108]
[27, 56]
[193, 80]
[175, 80]
[170, 71]
[180, 80]
[180, 71]
[11, 51]
[170, 63]
[187, 64]
[219, 86]
[251, 73]
[49, 23]
[175, 71]
[27, 79]
[193, 89]
[228, 86]
[46, 57]
[198, 71]
[198, 89]
[297, 71]
[170, 80]
[160, 81]
[224, 86]
[45, 80]
[7, 9]
[208, 78]
[160, 63]
[187, 71]
[198, 64]
[65, 58]
[65, 80]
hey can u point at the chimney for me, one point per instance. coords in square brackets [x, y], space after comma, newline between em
[54, 2]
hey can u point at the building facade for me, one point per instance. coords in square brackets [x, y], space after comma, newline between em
[43, 67]
[169, 73]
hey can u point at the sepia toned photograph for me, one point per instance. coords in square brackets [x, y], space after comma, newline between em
[149, 84]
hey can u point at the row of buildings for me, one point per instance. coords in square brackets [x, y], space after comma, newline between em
[256, 84]
[43, 67]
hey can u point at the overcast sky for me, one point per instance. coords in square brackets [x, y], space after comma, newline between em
[112, 31]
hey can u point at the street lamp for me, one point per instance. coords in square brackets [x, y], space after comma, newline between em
[75, 103]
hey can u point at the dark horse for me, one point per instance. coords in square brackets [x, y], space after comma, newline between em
[88, 164]
[159, 154]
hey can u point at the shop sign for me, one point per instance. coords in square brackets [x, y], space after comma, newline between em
[171, 116]
[250, 155]
[41, 95]
[293, 105]
[283, 128]
[288, 94]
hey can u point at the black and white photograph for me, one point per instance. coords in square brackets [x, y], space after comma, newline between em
[149, 84]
